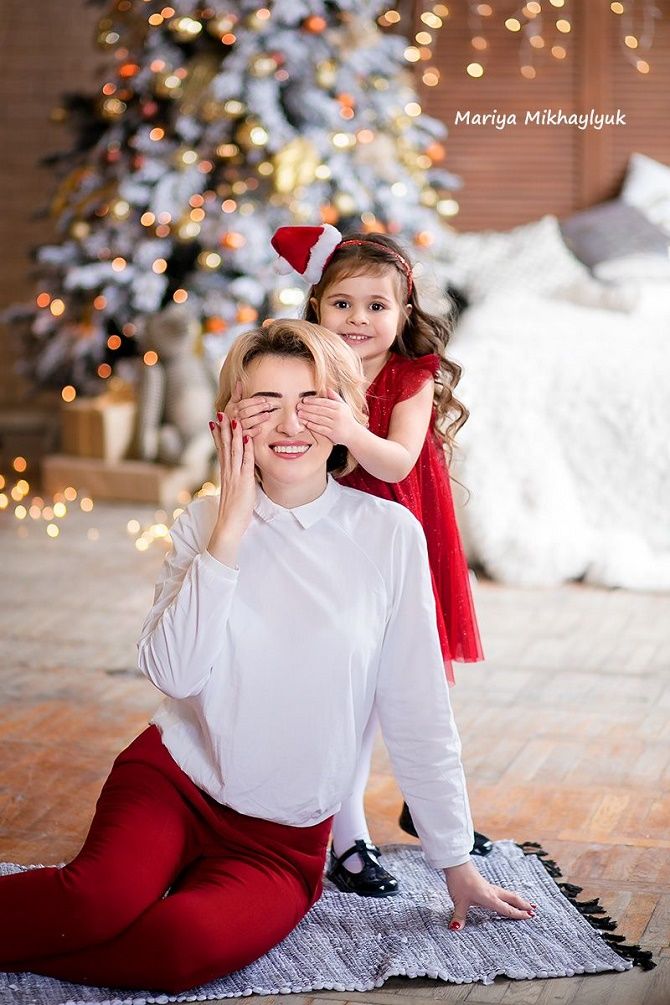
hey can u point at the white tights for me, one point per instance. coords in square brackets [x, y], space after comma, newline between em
[349, 824]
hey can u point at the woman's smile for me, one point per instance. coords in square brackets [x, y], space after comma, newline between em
[290, 450]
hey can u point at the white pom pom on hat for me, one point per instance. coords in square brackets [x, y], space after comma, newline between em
[305, 249]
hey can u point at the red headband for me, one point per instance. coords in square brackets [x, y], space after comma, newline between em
[405, 266]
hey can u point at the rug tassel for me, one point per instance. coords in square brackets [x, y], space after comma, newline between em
[591, 911]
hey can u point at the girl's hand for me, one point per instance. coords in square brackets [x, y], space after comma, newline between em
[468, 887]
[330, 417]
[238, 488]
[251, 413]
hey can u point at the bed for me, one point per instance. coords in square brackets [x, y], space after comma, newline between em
[564, 464]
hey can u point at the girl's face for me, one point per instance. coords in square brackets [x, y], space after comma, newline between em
[366, 313]
[290, 458]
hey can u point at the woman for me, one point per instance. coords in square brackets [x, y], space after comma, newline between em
[286, 609]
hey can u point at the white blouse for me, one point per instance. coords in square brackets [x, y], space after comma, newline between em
[272, 669]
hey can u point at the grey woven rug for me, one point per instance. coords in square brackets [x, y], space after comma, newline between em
[349, 943]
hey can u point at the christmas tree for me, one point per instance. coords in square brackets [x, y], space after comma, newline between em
[214, 124]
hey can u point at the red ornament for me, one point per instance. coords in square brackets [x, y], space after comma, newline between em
[315, 24]
[215, 324]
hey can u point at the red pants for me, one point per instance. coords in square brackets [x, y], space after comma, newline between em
[237, 886]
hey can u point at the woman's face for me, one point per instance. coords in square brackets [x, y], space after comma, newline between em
[285, 451]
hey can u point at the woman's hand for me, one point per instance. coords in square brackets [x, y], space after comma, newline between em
[251, 413]
[238, 488]
[330, 417]
[467, 887]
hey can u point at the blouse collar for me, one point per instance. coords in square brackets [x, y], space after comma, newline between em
[307, 514]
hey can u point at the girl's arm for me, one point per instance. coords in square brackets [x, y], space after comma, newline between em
[390, 459]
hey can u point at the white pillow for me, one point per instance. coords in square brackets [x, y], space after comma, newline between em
[647, 187]
[652, 268]
[590, 293]
[532, 258]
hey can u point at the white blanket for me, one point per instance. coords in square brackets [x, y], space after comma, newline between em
[566, 454]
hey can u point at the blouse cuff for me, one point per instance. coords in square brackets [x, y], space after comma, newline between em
[217, 569]
[452, 862]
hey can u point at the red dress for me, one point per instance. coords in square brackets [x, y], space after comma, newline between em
[426, 492]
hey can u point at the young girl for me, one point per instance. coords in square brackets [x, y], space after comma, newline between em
[363, 290]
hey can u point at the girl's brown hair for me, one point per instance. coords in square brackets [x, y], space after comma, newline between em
[420, 334]
[336, 366]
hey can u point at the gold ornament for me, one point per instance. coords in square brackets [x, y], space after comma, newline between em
[219, 26]
[185, 29]
[168, 85]
[201, 72]
[381, 154]
[212, 110]
[345, 203]
[112, 108]
[258, 20]
[108, 34]
[326, 73]
[295, 166]
[263, 65]
[358, 33]
[185, 157]
[233, 108]
[251, 134]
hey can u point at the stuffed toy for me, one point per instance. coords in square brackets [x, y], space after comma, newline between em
[176, 396]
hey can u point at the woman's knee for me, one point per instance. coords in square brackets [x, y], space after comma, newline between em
[99, 908]
[192, 958]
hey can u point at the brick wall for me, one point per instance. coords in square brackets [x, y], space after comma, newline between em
[45, 50]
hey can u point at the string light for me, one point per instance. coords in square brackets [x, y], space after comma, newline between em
[539, 29]
[637, 27]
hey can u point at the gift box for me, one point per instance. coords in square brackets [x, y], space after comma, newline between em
[102, 427]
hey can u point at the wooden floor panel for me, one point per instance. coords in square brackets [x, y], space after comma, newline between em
[566, 733]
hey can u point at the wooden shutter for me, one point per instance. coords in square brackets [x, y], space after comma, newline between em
[519, 173]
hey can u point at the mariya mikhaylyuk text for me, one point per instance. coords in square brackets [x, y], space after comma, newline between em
[541, 117]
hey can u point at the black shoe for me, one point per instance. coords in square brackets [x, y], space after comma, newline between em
[372, 881]
[405, 821]
[482, 845]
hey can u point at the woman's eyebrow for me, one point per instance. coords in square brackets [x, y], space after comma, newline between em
[276, 394]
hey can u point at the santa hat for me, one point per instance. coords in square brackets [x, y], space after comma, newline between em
[305, 249]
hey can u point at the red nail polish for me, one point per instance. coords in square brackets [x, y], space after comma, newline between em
[212, 424]
[455, 926]
[234, 423]
[219, 416]
[245, 440]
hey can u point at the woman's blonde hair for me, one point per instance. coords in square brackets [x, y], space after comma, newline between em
[336, 367]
